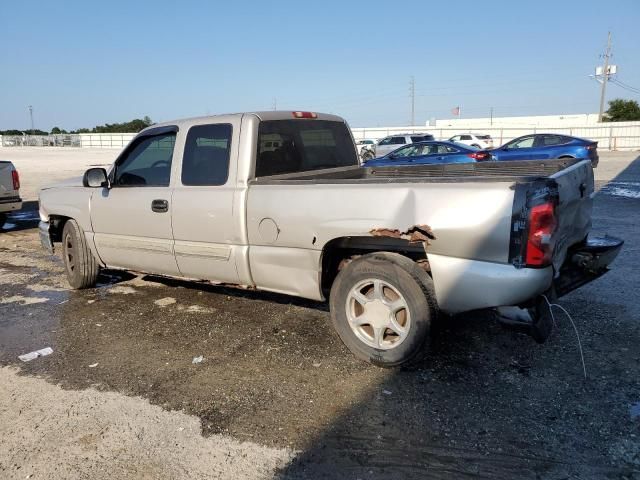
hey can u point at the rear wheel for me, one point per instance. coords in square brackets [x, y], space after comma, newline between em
[382, 306]
[79, 263]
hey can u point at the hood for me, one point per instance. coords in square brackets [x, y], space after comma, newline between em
[69, 182]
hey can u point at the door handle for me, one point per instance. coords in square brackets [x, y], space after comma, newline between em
[160, 206]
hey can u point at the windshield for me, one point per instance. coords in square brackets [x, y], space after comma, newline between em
[303, 145]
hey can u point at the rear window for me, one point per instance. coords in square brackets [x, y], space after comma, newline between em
[484, 137]
[302, 146]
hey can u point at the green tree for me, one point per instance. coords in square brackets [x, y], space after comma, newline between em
[57, 130]
[621, 110]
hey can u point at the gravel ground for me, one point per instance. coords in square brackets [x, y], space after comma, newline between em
[274, 380]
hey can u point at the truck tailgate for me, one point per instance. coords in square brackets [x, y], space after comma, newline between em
[573, 212]
[6, 180]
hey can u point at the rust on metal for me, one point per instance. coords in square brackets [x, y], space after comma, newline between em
[415, 234]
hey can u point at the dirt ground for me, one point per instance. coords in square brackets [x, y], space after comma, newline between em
[277, 395]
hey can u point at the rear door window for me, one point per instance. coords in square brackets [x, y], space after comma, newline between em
[398, 140]
[206, 155]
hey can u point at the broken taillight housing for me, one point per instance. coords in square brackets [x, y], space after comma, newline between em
[540, 241]
[16, 179]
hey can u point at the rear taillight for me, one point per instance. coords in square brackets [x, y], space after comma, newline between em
[480, 156]
[540, 242]
[592, 146]
[16, 179]
[304, 115]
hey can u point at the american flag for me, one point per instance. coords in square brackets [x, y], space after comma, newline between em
[455, 111]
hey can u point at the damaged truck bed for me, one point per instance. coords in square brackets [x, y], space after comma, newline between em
[277, 201]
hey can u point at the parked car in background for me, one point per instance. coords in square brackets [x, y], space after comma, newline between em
[547, 145]
[393, 142]
[9, 190]
[363, 145]
[427, 153]
[473, 140]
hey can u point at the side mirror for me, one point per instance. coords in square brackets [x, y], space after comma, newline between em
[95, 177]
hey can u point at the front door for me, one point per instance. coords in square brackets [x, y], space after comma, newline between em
[132, 219]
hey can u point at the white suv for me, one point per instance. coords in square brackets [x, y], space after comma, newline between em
[393, 142]
[473, 140]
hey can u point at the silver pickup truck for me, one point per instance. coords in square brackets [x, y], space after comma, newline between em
[9, 190]
[276, 201]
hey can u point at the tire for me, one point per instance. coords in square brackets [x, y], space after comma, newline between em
[385, 281]
[79, 263]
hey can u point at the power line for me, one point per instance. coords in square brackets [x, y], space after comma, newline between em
[625, 86]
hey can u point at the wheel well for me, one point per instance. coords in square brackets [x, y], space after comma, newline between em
[566, 156]
[56, 225]
[339, 251]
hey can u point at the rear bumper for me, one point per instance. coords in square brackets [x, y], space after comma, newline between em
[586, 262]
[10, 204]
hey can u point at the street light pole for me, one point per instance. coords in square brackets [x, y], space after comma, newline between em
[605, 77]
[31, 116]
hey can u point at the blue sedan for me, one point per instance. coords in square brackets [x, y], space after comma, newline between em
[430, 152]
[547, 145]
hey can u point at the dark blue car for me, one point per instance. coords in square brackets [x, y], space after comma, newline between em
[547, 145]
[430, 152]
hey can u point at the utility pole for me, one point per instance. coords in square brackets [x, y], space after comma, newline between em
[605, 77]
[412, 95]
[31, 116]
[275, 103]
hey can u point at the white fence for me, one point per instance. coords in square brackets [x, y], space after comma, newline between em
[85, 140]
[610, 136]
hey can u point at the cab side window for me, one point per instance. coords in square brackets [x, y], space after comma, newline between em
[147, 163]
[206, 155]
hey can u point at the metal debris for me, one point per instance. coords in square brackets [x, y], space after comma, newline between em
[415, 234]
[197, 360]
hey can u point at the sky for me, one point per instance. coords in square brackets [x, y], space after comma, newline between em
[81, 64]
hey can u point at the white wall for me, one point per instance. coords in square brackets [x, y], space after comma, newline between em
[610, 136]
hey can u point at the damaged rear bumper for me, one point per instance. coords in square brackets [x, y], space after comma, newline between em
[586, 262]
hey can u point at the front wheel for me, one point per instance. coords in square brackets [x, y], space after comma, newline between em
[382, 306]
[79, 263]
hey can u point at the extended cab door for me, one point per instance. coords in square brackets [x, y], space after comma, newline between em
[132, 219]
[209, 205]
